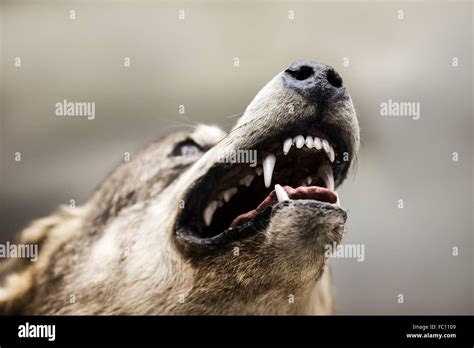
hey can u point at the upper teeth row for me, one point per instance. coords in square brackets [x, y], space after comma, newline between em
[324, 172]
[268, 164]
[310, 142]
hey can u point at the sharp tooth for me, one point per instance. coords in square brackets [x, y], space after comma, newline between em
[317, 143]
[209, 211]
[258, 171]
[338, 202]
[325, 172]
[331, 153]
[325, 145]
[268, 165]
[309, 142]
[247, 180]
[308, 180]
[281, 194]
[299, 141]
[227, 194]
[287, 145]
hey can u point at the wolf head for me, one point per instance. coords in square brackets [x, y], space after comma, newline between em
[204, 222]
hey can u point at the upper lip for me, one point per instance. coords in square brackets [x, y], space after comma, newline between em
[223, 180]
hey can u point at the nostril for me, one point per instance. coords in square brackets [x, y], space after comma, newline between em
[334, 78]
[302, 73]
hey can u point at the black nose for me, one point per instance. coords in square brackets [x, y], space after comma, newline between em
[315, 81]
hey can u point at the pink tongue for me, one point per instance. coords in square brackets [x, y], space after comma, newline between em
[309, 192]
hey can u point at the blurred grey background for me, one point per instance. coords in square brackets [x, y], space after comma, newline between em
[190, 62]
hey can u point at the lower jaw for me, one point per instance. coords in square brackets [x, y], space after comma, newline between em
[257, 219]
[198, 244]
[286, 193]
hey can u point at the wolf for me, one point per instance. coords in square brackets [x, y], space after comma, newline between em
[180, 230]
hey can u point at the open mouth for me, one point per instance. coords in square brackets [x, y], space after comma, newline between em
[232, 201]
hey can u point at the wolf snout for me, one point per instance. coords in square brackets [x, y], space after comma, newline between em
[315, 81]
